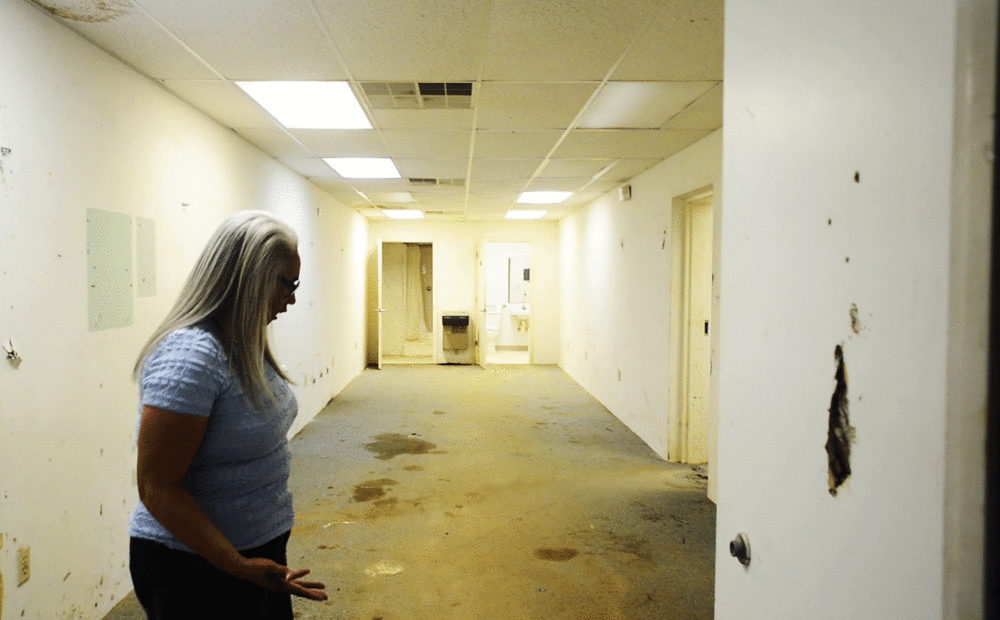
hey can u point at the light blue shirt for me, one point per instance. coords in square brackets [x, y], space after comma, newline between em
[239, 475]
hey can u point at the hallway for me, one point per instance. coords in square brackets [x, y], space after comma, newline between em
[506, 493]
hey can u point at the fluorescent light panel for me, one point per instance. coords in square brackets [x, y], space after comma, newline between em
[543, 198]
[309, 105]
[403, 214]
[525, 215]
[363, 167]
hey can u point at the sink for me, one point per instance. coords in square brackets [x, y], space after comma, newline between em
[521, 312]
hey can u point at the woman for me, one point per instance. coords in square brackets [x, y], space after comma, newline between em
[208, 536]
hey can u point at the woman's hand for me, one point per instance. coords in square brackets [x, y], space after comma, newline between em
[273, 576]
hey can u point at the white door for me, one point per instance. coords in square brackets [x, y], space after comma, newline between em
[699, 320]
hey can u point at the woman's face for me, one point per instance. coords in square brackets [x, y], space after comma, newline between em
[284, 295]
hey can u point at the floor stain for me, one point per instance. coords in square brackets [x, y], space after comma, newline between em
[556, 555]
[372, 489]
[440, 412]
[389, 445]
[413, 468]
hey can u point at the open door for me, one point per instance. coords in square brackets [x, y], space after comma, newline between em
[379, 310]
[480, 313]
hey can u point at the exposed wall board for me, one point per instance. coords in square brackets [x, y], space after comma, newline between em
[109, 269]
[145, 256]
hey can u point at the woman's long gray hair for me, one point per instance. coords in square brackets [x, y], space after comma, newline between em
[231, 286]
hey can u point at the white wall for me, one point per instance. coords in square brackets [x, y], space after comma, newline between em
[839, 133]
[615, 291]
[84, 131]
[455, 247]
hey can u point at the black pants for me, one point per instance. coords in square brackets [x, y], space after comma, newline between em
[177, 585]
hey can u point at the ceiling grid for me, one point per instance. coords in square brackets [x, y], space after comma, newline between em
[576, 95]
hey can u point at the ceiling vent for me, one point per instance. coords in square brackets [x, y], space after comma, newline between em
[437, 182]
[418, 95]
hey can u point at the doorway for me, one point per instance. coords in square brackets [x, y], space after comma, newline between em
[691, 323]
[407, 332]
[507, 335]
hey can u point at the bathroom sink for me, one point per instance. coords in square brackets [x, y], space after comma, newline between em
[520, 312]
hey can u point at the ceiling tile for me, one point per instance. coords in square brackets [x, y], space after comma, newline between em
[531, 106]
[223, 101]
[641, 105]
[497, 186]
[569, 168]
[504, 168]
[434, 144]
[439, 195]
[684, 42]
[416, 40]
[342, 142]
[560, 41]
[515, 144]
[379, 186]
[432, 168]
[392, 198]
[138, 40]
[705, 113]
[308, 166]
[276, 142]
[641, 143]
[502, 200]
[423, 119]
[261, 41]
[627, 169]
[557, 185]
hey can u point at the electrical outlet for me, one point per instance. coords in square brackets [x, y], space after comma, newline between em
[23, 565]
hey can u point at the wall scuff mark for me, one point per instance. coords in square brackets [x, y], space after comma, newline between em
[841, 433]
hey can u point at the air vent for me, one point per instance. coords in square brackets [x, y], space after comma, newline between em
[418, 95]
[437, 182]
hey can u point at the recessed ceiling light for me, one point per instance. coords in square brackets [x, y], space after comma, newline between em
[543, 198]
[525, 215]
[363, 167]
[309, 105]
[403, 214]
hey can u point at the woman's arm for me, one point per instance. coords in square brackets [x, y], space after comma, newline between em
[167, 444]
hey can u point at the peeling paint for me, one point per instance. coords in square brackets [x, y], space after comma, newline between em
[841, 433]
[89, 11]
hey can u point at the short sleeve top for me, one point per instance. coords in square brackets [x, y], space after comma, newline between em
[239, 474]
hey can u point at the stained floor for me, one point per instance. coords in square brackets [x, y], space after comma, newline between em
[507, 493]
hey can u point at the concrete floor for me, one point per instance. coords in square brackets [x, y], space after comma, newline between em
[508, 493]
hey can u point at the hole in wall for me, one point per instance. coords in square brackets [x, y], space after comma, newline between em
[841, 433]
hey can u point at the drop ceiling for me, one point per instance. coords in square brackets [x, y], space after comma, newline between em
[567, 95]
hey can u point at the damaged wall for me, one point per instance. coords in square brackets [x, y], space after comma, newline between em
[80, 131]
[615, 289]
[839, 296]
